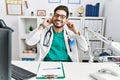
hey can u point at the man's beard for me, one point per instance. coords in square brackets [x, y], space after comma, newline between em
[57, 26]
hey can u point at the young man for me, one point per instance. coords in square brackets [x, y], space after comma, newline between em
[57, 41]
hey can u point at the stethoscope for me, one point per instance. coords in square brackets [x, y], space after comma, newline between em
[48, 35]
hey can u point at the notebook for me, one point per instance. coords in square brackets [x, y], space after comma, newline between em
[50, 70]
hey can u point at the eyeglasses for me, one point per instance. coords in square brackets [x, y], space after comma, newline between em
[58, 15]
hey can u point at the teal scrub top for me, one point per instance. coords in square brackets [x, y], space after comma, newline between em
[58, 51]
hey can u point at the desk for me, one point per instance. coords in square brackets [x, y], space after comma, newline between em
[73, 70]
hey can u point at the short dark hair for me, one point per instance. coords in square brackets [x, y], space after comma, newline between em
[62, 7]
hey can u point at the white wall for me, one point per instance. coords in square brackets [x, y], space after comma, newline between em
[12, 22]
[49, 7]
[35, 5]
[112, 13]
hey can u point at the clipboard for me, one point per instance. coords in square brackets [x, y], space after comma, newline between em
[50, 70]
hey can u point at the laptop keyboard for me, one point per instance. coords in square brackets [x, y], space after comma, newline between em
[20, 73]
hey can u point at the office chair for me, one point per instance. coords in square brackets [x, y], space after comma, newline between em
[5, 51]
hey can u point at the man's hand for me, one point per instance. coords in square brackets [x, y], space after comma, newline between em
[47, 21]
[71, 26]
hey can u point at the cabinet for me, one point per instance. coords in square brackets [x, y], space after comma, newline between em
[96, 24]
[31, 52]
[25, 25]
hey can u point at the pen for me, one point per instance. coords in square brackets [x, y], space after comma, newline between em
[52, 68]
[69, 45]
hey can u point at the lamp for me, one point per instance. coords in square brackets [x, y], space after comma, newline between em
[115, 46]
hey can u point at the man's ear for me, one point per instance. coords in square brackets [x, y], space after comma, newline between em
[51, 20]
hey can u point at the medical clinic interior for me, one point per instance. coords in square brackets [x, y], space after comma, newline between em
[96, 20]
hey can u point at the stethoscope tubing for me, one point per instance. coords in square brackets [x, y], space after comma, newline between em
[47, 44]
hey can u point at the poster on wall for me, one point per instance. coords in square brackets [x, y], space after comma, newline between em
[41, 13]
[54, 1]
[73, 1]
[14, 7]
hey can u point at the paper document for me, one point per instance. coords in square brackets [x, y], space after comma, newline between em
[50, 69]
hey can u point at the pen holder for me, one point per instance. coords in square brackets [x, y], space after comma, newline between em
[50, 77]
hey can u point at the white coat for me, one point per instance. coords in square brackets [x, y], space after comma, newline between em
[37, 37]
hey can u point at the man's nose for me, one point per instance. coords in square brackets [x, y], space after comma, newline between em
[59, 17]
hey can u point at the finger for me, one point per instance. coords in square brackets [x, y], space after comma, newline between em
[49, 21]
[71, 25]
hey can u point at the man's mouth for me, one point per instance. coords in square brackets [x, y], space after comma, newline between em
[58, 22]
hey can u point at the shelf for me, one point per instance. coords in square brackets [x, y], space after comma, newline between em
[23, 36]
[28, 55]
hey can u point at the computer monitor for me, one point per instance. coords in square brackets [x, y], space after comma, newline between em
[3, 25]
[5, 54]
